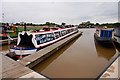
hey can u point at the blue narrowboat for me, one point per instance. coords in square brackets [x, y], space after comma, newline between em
[104, 36]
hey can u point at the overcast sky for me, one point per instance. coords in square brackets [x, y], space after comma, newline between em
[58, 12]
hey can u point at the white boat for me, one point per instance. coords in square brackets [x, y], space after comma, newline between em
[30, 41]
[117, 38]
[117, 35]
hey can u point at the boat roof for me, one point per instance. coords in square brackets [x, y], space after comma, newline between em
[49, 29]
[44, 30]
[104, 28]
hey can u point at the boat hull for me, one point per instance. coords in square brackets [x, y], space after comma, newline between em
[39, 40]
[117, 43]
[24, 51]
[117, 40]
[103, 41]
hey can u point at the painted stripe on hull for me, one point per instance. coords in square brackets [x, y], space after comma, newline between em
[23, 52]
[45, 44]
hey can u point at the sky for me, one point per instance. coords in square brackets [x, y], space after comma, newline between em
[58, 11]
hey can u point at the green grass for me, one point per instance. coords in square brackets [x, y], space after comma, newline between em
[28, 29]
[20, 29]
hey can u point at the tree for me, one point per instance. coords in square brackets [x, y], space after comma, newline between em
[86, 24]
[116, 24]
[97, 24]
[63, 23]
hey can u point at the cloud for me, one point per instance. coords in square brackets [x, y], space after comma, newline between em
[0, 11]
[119, 11]
[60, 0]
[69, 12]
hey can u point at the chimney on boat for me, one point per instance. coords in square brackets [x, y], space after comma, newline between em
[24, 26]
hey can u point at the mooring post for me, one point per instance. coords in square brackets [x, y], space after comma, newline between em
[20, 53]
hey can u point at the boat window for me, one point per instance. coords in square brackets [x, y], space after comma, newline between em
[68, 30]
[72, 30]
[41, 38]
[60, 34]
[117, 32]
[63, 32]
[49, 37]
[75, 29]
[57, 35]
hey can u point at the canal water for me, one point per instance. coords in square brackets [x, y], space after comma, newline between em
[81, 58]
[4, 49]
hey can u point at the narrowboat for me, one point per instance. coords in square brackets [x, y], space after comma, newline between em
[104, 36]
[8, 34]
[117, 35]
[31, 41]
[117, 38]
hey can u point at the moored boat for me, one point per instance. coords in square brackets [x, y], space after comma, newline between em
[8, 33]
[5, 38]
[104, 36]
[31, 41]
[117, 36]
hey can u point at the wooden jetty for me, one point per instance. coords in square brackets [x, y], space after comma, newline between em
[112, 72]
[13, 69]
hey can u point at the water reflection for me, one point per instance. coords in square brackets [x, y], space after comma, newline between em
[50, 59]
[5, 48]
[105, 52]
